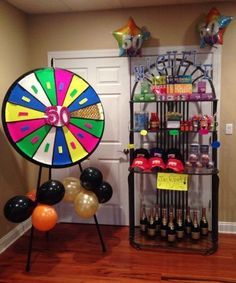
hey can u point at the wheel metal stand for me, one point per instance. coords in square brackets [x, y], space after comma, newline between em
[30, 245]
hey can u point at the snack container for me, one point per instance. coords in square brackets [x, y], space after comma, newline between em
[193, 159]
[141, 121]
[201, 87]
[205, 156]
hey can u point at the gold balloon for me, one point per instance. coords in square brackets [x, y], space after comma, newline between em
[72, 188]
[86, 204]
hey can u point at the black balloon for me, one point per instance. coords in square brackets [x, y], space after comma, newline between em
[103, 192]
[91, 178]
[19, 208]
[50, 192]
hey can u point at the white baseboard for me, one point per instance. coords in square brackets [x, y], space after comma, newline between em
[14, 234]
[227, 227]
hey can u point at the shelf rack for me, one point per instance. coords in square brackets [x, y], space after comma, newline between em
[175, 199]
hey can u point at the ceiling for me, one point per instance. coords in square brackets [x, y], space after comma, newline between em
[60, 6]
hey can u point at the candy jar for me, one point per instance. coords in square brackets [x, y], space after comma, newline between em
[205, 156]
[193, 159]
[204, 151]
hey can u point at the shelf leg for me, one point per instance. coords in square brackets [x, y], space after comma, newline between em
[131, 206]
[215, 199]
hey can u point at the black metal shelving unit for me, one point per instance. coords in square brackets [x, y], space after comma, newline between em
[175, 199]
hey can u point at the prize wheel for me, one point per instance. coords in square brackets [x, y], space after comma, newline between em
[53, 117]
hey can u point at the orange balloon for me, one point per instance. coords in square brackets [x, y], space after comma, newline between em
[32, 195]
[44, 217]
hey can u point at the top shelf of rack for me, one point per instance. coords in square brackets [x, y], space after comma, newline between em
[166, 101]
[166, 97]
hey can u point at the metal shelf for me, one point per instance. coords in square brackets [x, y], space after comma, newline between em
[189, 171]
[205, 245]
[166, 101]
[172, 198]
[169, 129]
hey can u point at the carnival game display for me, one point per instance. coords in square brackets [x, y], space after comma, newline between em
[53, 117]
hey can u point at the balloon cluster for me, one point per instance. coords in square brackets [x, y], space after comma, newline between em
[88, 192]
[38, 205]
[212, 30]
[130, 38]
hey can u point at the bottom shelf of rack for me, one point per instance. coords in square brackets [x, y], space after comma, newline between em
[205, 245]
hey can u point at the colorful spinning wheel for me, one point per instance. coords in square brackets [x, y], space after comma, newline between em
[53, 117]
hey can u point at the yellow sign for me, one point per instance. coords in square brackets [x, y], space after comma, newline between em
[143, 132]
[172, 181]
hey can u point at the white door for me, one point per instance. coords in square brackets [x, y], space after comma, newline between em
[111, 80]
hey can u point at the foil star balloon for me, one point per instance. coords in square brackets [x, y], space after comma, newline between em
[130, 38]
[212, 30]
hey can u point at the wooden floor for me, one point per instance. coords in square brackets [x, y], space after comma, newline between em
[72, 254]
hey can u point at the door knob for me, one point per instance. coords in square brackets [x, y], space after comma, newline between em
[125, 151]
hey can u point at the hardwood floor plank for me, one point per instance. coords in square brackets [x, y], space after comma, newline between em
[73, 254]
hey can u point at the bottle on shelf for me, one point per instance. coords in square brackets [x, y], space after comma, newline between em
[164, 223]
[157, 218]
[179, 225]
[188, 223]
[186, 126]
[190, 126]
[171, 233]
[171, 210]
[195, 233]
[204, 223]
[151, 226]
[143, 219]
[154, 122]
[182, 126]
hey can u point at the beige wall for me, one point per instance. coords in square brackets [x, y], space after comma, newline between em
[169, 26]
[14, 61]
[228, 114]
